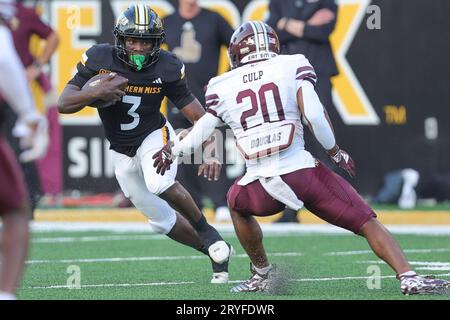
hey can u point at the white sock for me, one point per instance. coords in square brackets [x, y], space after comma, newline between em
[7, 296]
[264, 270]
[408, 274]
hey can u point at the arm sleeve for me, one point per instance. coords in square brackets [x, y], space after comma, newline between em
[179, 93]
[201, 131]
[304, 72]
[322, 33]
[274, 16]
[314, 113]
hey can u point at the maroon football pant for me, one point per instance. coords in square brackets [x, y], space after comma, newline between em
[12, 184]
[324, 193]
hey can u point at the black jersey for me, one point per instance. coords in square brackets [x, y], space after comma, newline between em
[128, 122]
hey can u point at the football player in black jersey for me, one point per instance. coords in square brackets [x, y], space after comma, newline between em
[136, 128]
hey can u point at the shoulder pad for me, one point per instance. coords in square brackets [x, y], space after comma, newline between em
[99, 56]
[170, 67]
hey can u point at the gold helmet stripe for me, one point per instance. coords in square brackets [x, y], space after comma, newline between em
[136, 16]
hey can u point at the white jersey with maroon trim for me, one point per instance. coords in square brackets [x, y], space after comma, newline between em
[259, 103]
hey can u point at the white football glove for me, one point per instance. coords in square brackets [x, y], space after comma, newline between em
[33, 134]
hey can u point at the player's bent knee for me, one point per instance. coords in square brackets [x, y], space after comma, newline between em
[163, 225]
[158, 187]
[234, 198]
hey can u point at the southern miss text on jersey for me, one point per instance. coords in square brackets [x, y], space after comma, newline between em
[128, 122]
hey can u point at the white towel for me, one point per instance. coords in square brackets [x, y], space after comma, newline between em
[281, 191]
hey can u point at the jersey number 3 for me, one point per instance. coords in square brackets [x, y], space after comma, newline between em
[136, 102]
[261, 105]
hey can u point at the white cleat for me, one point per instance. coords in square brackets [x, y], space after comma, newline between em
[219, 251]
[220, 277]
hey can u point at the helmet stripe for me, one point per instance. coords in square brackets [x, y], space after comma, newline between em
[255, 35]
[146, 17]
[136, 17]
[141, 17]
[266, 36]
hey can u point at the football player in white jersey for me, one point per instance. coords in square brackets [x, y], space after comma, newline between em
[265, 99]
[15, 209]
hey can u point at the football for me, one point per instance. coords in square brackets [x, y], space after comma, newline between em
[119, 82]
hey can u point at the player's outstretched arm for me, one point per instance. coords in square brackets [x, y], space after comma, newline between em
[201, 131]
[320, 125]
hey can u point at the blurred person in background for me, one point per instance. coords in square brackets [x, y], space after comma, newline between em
[305, 27]
[45, 175]
[15, 208]
[195, 35]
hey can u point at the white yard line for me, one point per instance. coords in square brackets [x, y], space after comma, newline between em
[358, 252]
[419, 265]
[153, 258]
[268, 228]
[114, 285]
[98, 238]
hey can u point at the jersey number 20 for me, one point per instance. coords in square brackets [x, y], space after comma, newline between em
[272, 87]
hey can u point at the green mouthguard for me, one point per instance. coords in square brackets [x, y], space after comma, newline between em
[138, 60]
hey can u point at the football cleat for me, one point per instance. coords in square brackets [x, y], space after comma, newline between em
[220, 277]
[257, 282]
[416, 284]
[220, 270]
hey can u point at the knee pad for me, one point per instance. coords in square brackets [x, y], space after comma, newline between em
[163, 224]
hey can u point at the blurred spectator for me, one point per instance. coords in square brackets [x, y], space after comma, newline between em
[14, 205]
[195, 35]
[304, 27]
[26, 24]
[399, 188]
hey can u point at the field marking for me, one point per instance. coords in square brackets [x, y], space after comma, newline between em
[113, 285]
[98, 238]
[421, 265]
[153, 258]
[268, 228]
[357, 252]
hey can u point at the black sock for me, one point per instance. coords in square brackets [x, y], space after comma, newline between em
[204, 250]
[207, 233]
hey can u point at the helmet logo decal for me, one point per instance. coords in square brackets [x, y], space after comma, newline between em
[158, 23]
[122, 20]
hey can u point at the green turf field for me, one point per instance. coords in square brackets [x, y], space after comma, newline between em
[148, 266]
